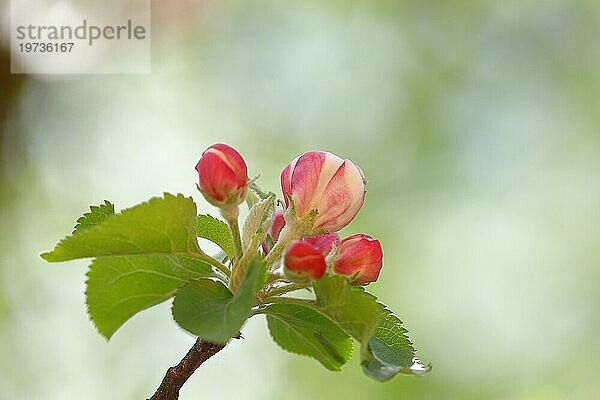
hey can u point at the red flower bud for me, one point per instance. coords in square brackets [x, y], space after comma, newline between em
[323, 243]
[303, 262]
[223, 175]
[324, 182]
[359, 256]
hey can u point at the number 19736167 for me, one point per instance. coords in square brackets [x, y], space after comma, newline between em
[41, 47]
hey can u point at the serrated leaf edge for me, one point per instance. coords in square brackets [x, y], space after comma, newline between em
[47, 256]
[86, 215]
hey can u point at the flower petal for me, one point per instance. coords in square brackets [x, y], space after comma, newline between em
[286, 180]
[217, 179]
[342, 198]
[233, 159]
[305, 179]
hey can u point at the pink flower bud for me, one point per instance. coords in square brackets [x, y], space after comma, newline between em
[323, 243]
[324, 182]
[303, 262]
[276, 227]
[223, 175]
[359, 256]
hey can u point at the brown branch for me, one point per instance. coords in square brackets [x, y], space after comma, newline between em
[178, 375]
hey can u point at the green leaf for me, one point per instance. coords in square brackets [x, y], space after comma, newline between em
[96, 215]
[251, 198]
[385, 347]
[258, 216]
[160, 226]
[143, 255]
[119, 287]
[302, 330]
[392, 351]
[261, 193]
[356, 311]
[217, 232]
[208, 309]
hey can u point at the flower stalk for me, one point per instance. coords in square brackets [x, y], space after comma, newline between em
[231, 214]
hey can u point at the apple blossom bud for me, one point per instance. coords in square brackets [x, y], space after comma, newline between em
[223, 175]
[303, 262]
[359, 256]
[321, 181]
[277, 225]
[323, 243]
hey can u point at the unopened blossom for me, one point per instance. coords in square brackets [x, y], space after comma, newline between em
[223, 175]
[323, 182]
[277, 225]
[359, 256]
[323, 243]
[303, 262]
[275, 229]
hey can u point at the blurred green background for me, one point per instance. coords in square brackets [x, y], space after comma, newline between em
[477, 124]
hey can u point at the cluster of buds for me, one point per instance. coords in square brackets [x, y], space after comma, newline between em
[333, 190]
[359, 257]
[322, 194]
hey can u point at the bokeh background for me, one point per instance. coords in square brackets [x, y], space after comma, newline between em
[476, 122]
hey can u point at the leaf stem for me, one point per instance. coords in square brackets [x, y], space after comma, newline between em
[208, 259]
[287, 288]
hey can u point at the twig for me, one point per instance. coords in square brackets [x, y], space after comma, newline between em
[178, 375]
